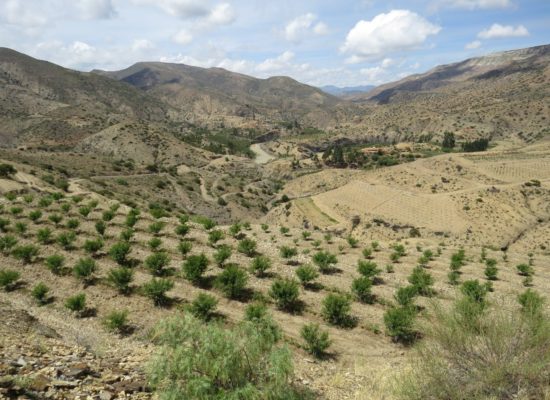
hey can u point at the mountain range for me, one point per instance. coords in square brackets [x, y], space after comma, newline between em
[43, 104]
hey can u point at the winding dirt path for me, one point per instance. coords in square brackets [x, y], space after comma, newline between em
[262, 157]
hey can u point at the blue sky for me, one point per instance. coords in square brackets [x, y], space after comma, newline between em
[339, 42]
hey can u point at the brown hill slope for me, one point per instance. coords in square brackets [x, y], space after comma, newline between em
[499, 95]
[215, 96]
[43, 103]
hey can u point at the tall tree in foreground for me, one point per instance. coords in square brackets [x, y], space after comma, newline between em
[198, 361]
[477, 350]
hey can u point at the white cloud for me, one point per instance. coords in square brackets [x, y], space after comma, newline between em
[141, 45]
[398, 30]
[97, 9]
[183, 37]
[179, 8]
[302, 26]
[222, 14]
[475, 4]
[276, 64]
[497, 31]
[387, 62]
[476, 44]
[321, 29]
[23, 14]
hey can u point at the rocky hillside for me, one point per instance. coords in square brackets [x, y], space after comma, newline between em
[43, 103]
[215, 95]
[502, 95]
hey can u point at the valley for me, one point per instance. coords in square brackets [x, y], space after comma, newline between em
[202, 182]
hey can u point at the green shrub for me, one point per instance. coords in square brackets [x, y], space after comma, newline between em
[242, 363]
[405, 295]
[131, 220]
[76, 303]
[247, 247]
[336, 309]
[307, 274]
[55, 218]
[316, 341]
[194, 267]
[20, 228]
[422, 281]
[362, 288]
[203, 306]
[40, 293]
[119, 252]
[127, 235]
[121, 279]
[352, 242]
[325, 261]
[7, 243]
[155, 243]
[73, 223]
[260, 265]
[531, 302]
[4, 224]
[206, 222]
[84, 269]
[26, 253]
[491, 271]
[35, 216]
[399, 322]
[285, 293]
[55, 263]
[504, 355]
[288, 252]
[232, 282]
[93, 246]
[108, 215]
[6, 170]
[215, 236]
[368, 269]
[453, 277]
[156, 290]
[84, 211]
[44, 236]
[182, 229]
[524, 269]
[157, 262]
[474, 290]
[367, 252]
[45, 202]
[100, 227]
[8, 279]
[156, 227]
[222, 254]
[184, 247]
[16, 210]
[116, 321]
[66, 240]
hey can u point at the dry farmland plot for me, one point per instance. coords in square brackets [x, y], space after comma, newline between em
[433, 212]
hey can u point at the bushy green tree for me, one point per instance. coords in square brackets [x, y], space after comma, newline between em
[336, 310]
[316, 340]
[197, 361]
[119, 252]
[194, 267]
[121, 279]
[285, 292]
[232, 282]
[156, 290]
[203, 306]
[157, 262]
[325, 261]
